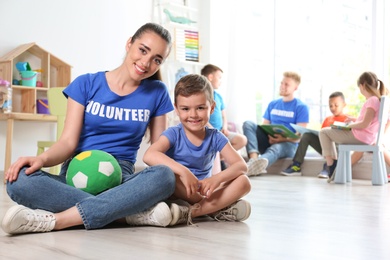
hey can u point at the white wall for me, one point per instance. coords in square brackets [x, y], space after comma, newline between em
[223, 48]
[90, 35]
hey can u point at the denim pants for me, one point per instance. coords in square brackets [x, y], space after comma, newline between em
[258, 143]
[136, 193]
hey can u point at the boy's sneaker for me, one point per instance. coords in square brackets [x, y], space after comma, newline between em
[20, 219]
[324, 174]
[257, 166]
[180, 214]
[238, 211]
[158, 215]
[292, 170]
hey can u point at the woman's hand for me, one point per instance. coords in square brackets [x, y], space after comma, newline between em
[34, 162]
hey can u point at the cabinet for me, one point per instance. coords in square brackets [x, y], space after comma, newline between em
[54, 73]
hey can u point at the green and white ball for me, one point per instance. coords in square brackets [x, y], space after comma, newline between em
[94, 172]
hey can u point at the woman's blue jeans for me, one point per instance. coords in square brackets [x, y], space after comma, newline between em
[138, 192]
[258, 143]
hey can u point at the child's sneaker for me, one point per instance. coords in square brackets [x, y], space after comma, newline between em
[238, 211]
[257, 166]
[324, 174]
[181, 212]
[20, 219]
[292, 170]
[332, 168]
[159, 215]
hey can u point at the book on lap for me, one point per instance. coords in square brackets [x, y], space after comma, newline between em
[341, 126]
[279, 129]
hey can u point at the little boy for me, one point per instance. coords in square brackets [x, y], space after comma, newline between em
[336, 106]
[218, 118]
[189, 150]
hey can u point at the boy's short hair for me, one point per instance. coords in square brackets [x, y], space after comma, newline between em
[209, 69]
[293, 75]
[337, 94]
[193, 84]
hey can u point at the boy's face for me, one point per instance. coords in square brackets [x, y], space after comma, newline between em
[336, 105]
[194, 111]
[215, 79]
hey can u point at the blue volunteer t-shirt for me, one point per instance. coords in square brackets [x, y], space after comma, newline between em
[216, 117]
[198, 159]
[284, 113]
[112, 123]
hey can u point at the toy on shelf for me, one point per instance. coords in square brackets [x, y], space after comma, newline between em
[29, 77]
[178, 19]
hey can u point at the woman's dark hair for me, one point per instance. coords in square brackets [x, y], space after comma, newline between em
[157, 29]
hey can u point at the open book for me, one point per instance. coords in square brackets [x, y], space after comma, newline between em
[340, 125]
[279, 129]
[302, 130]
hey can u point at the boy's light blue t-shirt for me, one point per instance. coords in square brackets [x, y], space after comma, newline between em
[198, 159]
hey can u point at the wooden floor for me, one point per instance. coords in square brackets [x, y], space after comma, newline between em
[292, 218]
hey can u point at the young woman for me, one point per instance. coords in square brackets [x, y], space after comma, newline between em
[363, 130]
[47, 203]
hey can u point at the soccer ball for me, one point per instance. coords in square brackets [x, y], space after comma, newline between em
[94, 172]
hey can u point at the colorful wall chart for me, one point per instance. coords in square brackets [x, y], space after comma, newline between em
[187, 45]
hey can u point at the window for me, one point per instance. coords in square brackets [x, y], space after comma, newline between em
[328, 42]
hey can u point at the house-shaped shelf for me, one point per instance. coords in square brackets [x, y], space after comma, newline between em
[53, 73]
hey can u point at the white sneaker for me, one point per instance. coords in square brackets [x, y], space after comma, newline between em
[257, 166]
[158, 215]
[238, 211]
[20, 219]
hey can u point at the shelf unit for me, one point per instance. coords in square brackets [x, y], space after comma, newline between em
[176, 66]
[55, 73]
[178, 60]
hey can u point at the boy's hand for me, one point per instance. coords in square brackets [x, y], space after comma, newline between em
[225, 131]
[208, 186]
[190, 182]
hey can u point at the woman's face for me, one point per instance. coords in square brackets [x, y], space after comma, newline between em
[145, 55]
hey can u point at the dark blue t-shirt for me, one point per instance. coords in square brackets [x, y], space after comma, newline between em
[112, 123]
